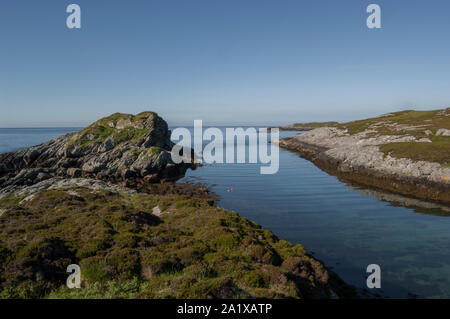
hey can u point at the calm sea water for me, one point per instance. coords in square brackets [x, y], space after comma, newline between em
[344, 228]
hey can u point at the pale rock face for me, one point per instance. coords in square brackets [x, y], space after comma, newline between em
[443, 132]
[157, 211]
[358, 151]
[123, 123]
[26, 199]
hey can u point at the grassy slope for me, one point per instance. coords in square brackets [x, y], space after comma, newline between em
[194, 250]
[413, 123]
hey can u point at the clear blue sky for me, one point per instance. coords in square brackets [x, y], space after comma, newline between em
[223, 61]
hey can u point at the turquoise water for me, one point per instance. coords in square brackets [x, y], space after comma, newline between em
[344, 228]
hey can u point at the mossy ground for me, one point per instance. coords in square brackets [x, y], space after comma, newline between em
[99, 131]
[386, 125]
[193, 250]
[432, 152]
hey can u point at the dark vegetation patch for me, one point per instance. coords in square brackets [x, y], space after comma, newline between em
[194, 249]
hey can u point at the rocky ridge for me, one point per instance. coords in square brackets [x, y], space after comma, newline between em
[121, 148]
[357, 157]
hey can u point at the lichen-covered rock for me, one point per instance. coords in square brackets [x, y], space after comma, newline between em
[443, 132]
[121, 148]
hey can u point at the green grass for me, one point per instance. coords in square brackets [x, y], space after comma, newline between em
[431, 152]
[430, 120]
[154, 151]
[99, 131]
[128, 134]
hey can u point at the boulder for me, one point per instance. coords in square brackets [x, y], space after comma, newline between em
[443, 132]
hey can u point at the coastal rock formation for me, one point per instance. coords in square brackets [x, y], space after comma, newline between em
[391, 152]
[122, 148]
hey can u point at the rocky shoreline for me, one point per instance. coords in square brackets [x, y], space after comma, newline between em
[102, 198]
[122, 148]
[357, 158]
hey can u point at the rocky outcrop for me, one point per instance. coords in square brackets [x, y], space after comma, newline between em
[62, 183]
[122, 148]
[357, 158]
[443, 132]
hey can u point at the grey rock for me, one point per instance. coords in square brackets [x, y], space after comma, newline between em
[443, 132]
[157, 211]
[107, 145]
[62, 183]
[125, 156]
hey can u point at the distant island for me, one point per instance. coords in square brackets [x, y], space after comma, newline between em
[102, 198]
[404, 152]
[305, 126]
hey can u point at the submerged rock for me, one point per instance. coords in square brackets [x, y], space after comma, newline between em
[121, 148]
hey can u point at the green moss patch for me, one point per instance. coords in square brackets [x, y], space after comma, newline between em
[99, 131]
[431, 152]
